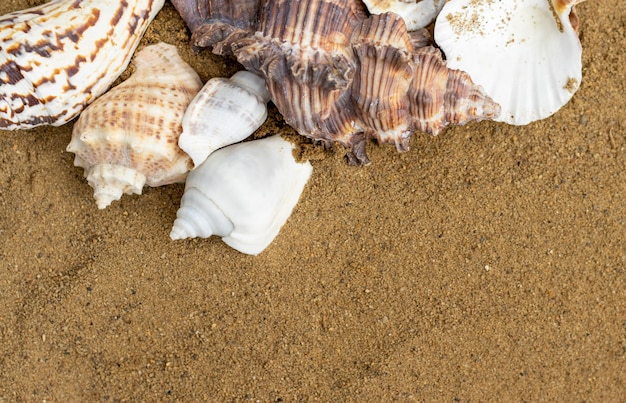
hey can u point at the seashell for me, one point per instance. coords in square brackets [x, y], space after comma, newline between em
[218, 23]
[128, 137]
[302, 49]
[243, 193]
[525, 53]
[416, 13]
[441, 96]
[58, 57]
[338, 75]
[224, 112]
[382, 80]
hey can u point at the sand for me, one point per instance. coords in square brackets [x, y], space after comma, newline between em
[485, 264]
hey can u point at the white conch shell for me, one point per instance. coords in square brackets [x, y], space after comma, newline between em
[224, 112]
[243, 193]
[525, 53]
[128, 137]
[416, 13]
[58, 57]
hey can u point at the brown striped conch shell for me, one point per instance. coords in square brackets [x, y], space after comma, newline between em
[58, 57]
[224, 112]
[308, 64]
[525, 53]
[128, 137]
[338, 75]
[243, 193]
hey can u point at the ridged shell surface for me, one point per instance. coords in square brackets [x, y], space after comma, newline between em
[374, 84]
[525, 53]
[224, 112]
[58, 57]
[243, 193]
[302, 48]
[129, 136]
[218, 23]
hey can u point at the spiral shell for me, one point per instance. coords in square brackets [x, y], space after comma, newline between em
[224, 112]
[128, 137]
[339, 76]
[243, 193]
[58, 57]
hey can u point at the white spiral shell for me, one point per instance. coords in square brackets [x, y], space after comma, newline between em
[128, 137]
[243, 193]
[224, 112]
[58, 57]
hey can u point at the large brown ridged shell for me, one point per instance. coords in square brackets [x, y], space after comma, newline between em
[339, 75]
[308, 64]
[384, 73]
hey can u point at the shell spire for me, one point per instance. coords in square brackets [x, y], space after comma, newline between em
[441, 96]
[128, 137]
[58, 57]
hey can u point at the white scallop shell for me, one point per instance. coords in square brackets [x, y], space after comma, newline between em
[416, 13]
[129, 136]
[224, 112]
[243, 193]
[525, 53]
[58, 57]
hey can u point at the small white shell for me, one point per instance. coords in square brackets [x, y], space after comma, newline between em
[224, 112]
[525, 54]
[243, 193]
[416, 13]
[58, 57]
[128, 137]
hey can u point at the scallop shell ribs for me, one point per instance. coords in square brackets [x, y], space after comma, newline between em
[128, 137]
[58, 57]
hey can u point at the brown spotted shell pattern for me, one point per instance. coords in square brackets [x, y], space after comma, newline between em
[58, 57]
[339, 75]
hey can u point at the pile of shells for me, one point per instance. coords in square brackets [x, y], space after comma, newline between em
[339, 71]
[337, 74]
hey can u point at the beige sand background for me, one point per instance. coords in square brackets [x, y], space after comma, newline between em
[486, 264]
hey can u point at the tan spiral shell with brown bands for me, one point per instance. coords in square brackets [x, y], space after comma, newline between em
[58, 57]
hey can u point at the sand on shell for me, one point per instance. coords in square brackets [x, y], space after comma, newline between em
[485, 264]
